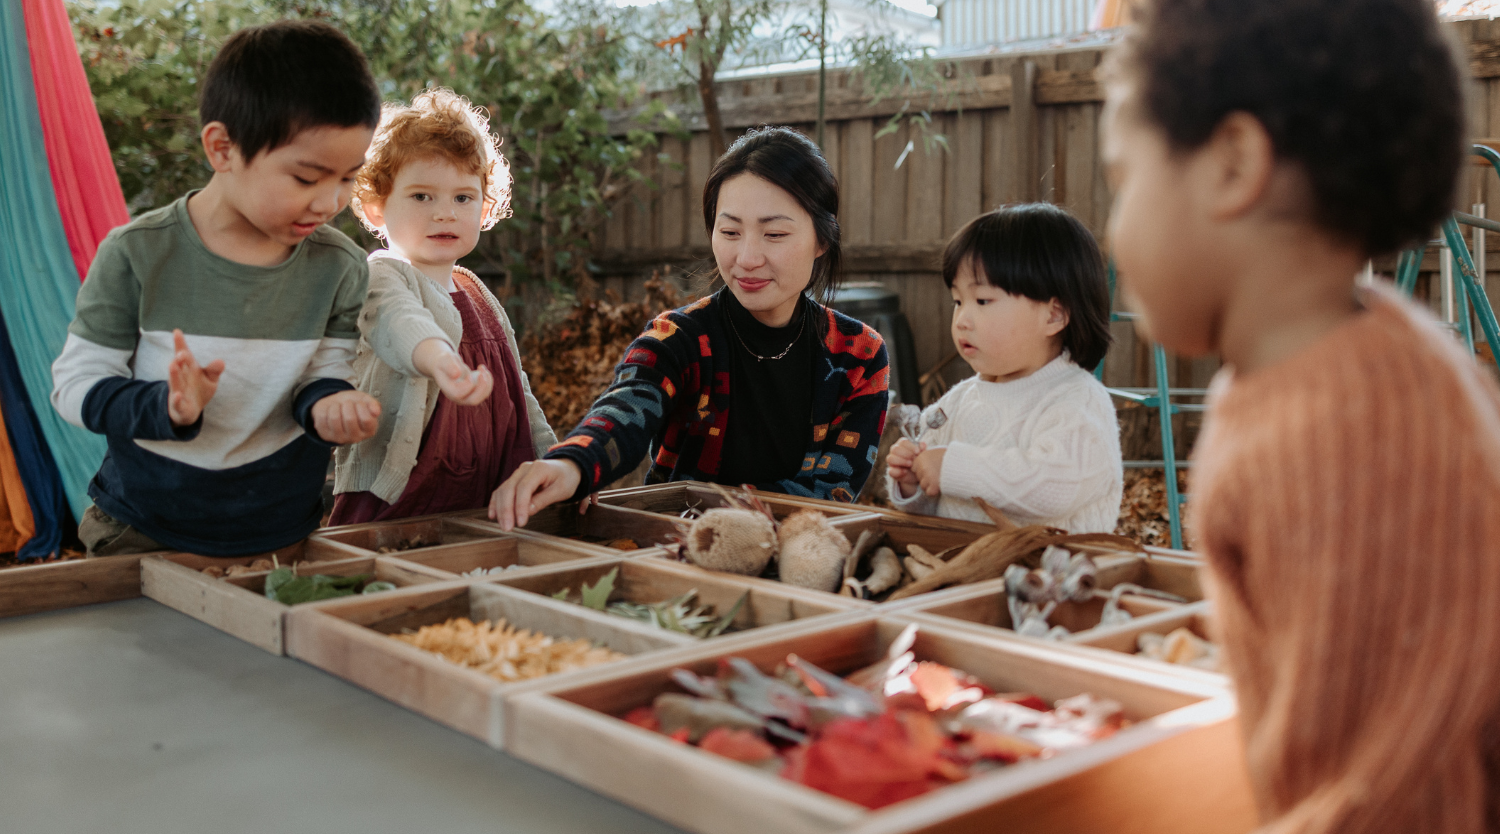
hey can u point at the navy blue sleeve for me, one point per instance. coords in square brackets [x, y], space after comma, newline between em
[302, 406]
[133, 408]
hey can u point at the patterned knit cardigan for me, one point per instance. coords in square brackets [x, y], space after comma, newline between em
[671, 395]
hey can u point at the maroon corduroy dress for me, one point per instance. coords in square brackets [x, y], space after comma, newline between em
[467, 451]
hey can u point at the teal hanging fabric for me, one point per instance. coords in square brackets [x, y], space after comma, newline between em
[38, 281]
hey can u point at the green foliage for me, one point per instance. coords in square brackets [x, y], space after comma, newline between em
[546, 81]
[679, 614]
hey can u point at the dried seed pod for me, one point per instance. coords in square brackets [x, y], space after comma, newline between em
[732, 540]
[917, 570]
[812, 551]
[922, 555]
[237, 570]
[214, 570]
[261, 564]
[885, 571]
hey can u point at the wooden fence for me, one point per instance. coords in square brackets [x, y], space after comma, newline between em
[1018, 127]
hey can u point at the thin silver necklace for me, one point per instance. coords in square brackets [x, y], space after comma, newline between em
[758, 357]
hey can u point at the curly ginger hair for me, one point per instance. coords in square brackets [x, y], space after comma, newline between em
[438, 123]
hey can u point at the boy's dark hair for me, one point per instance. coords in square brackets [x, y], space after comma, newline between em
[269, 83]
[793, 163]
[1364, 94]
[1042, 252]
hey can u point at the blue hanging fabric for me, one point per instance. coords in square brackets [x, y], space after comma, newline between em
[44, 489]
[38, 280]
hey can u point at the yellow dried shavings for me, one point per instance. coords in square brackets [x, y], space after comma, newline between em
[504, 652]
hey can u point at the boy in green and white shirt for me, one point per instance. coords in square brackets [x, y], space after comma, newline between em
[228, 458]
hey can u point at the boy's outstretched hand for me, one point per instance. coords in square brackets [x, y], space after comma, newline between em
[434, 358]
[346, 417]
[189, 385]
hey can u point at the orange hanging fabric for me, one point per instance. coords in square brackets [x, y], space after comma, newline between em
[17, 525]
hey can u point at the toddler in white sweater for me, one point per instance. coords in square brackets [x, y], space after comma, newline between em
[1033, 433]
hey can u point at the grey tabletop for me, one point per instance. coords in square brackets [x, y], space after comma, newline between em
[131, 717]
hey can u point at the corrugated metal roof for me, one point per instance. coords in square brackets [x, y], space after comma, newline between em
[973, 22]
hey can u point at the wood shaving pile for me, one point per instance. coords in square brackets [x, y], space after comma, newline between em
[504, 652]
[1143, 507]
[572, 360]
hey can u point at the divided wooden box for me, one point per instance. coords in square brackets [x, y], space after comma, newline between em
[1123, 638]
[349, 638]
[458, 545]
[600, 527]
[1174, 770]
[32, 589]
[679, 496]
[238, 605]
[766, 606]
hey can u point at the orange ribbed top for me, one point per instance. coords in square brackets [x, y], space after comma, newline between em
[1347, 500]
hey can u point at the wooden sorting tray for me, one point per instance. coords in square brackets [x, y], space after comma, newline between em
[1122, 638]
[31, 589]
[490, 548]
[35, 588]
[1159, 573]
[348, 638]
[435, 537]
[679, 496]
[934, 534]
[238, 605]
[652, 580]
[595, 529]
[1176, 770]
[984, 605]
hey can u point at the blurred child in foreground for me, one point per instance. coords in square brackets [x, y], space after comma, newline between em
[1348, 478]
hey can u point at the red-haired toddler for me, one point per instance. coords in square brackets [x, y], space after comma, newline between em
[433, 181]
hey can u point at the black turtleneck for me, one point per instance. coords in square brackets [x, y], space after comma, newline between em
[770, 409]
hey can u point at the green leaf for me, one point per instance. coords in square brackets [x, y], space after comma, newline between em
[597, 597]
[727, 620]
[378, 587]
[275, 579]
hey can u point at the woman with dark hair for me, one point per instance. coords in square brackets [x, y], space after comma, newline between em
[759, 383]
[1032, 433]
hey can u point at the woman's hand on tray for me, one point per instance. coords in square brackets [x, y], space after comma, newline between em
[533, 486]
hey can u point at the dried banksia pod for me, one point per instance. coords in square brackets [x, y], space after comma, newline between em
[812, 551]
[732, 540]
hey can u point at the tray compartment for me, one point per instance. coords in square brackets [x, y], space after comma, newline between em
[573, 730]
[652, 580]
[349, 638]
[238, 605]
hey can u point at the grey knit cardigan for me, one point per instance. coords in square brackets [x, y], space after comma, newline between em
[403, 309]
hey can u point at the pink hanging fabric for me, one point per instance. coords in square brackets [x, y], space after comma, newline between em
[83, 175]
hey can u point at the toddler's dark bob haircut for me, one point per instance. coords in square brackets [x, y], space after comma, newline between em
[1363, 94]
[792, 162]
[269, 83]
[1041, 252]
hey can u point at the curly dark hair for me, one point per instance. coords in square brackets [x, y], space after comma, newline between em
[1364, 94]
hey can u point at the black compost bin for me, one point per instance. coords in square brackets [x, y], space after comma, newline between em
[880, 308]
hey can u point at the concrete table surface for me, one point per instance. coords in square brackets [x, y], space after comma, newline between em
[131, 717]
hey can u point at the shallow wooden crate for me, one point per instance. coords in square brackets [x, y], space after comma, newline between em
[491, 549]
[1175, 770]
[600, 528]
[1179, 577]
[679, 496]
[936, 535]
[1122, 638]
[766, 606]
[31, 589]
[349, 638]
[238, 605]
[985, 604]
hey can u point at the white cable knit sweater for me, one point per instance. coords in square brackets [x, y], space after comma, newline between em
[1045, 449]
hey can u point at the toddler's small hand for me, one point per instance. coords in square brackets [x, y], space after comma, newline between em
[189, 386]
[928, 470]
[898, 462]
[346, 417]
[461, 385]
